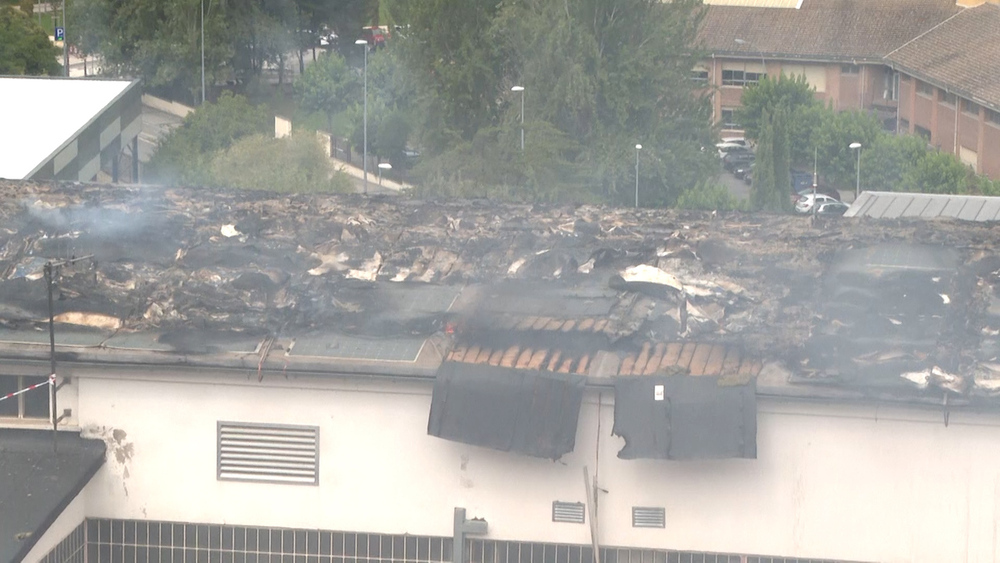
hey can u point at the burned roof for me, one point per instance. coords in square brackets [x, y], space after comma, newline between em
[838, 30]
[961, 55]
[902, 309]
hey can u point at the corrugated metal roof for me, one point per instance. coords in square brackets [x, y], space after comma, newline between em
[892, 205]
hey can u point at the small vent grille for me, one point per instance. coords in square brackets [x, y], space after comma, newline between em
[571, 512]
[268, 452]
[648, 517]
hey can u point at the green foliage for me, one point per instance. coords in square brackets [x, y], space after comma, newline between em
[599, 77]
[25, 48]
[937, 173]
[789, 93]
[886, 162]
[184, 155]
[833, 138]
[710, 196]
[295, 164]
[328, 86]
[771, 172]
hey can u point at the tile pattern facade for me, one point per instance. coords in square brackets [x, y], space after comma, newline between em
[140, 541]
[72, 549]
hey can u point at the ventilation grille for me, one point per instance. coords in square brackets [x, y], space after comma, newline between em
[571, 512]
[648, 517]
[268, 452]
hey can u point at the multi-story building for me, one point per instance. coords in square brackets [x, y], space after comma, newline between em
[923, 67]
[256, 377]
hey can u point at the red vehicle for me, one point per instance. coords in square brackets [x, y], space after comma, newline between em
[375, 35]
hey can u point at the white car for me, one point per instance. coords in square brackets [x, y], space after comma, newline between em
[732, 144]
[806, 202]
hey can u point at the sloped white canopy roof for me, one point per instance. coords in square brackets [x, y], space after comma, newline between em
[40, 115]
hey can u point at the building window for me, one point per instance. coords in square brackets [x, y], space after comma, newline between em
[728, 119]
[970, 107]
[925, 133]
[891, 82]
[849, 69]
[993, 116]
[272, 453]
[699, 75]
[925, 89]
[740, 77]
[948, 98]
[32, 404]
[904, 125]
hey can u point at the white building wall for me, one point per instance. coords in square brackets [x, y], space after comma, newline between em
[837, 482]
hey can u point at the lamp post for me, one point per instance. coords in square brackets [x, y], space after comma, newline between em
[202, 52]
[65, 41]
[762, 63]
[364, 165]
[382, 166]
[638, 148]
[521, 90]
[857, 187]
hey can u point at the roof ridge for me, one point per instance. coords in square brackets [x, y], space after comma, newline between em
[948, 19]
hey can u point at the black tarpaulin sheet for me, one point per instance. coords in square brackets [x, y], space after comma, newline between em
[687, 418]
[524, 411]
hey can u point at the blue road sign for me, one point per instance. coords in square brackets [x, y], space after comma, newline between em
[60, 33]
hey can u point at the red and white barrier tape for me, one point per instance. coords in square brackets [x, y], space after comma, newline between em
[51, 381]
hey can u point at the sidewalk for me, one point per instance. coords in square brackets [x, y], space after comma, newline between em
[354, 171]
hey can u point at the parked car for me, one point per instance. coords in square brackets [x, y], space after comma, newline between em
[727, 148]
[375, 35]
[735, 159]
[835, 209]
[741, 171]
[806, 202]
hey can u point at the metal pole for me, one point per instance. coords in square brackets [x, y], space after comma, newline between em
[857, 188]
[522, 120]
[203, 52]
[637, 176]
[52, 354]
[65, 41]
[365, 164]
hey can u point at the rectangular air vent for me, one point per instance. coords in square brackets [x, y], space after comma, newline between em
[648, 517]
[571, 512]
[271, 453]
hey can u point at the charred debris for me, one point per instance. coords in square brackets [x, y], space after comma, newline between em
[901, 310]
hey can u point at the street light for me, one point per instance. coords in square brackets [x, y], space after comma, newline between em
[857, 188]
[364, 166]
[638, 148]
[521, 90]
[762, 63]
[202, 52]
[382, 166]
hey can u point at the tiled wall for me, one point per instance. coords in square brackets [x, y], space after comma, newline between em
[139, 541]
[72, 549]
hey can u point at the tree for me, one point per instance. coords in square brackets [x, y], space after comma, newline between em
[794, 96]
[886, 161]
[771, 174]
[833, 138]
[184, 155]
[295, 164]
[937, 173]
[599, 76]
[25, 48]
[328, 86]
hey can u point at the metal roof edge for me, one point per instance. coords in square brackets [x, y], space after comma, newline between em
[134, 83]
[809, 58]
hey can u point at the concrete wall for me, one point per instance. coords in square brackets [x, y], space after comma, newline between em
[840, 482]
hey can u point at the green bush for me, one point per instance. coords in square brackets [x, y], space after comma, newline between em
[710, 197]
[296, 164]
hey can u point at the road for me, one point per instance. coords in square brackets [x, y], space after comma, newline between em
[742, 191]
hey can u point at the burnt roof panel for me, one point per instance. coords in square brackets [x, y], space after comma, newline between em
[523, 411]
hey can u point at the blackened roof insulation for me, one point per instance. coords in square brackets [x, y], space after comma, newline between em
[854, 309]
